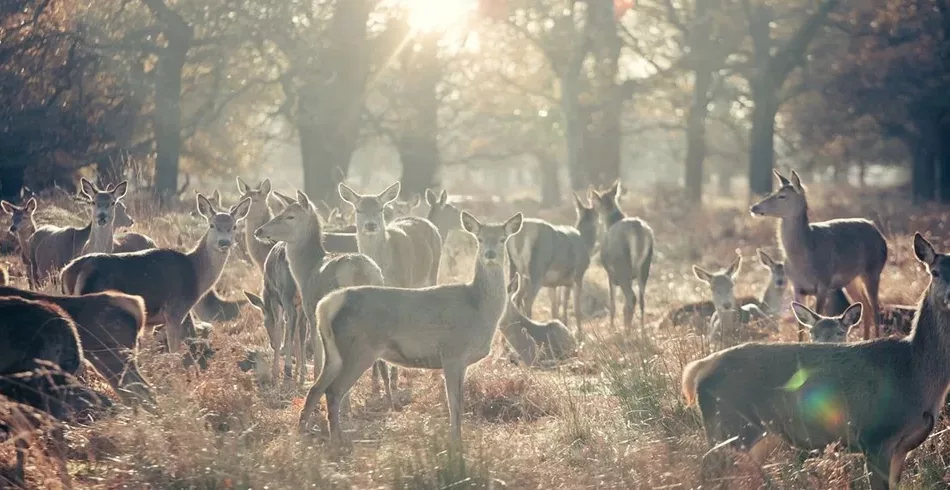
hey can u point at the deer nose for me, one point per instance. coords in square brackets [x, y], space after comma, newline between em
[370, 227]
[490, 255]
[755, 209]
[101, 218]
[224, 243]
[727, 305]
[12, 228]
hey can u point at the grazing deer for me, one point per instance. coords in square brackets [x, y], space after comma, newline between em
[169, 281]
[827, 328]
[51, 247]
[32, 332]
[22, 227]
[259, 214]
[828, 255]
[554, 256]
[314, 272]
[533, 341]
[626, 251]
[212, 307]
[769, 303]
[448, 327]
[817, 394]
[109, 326]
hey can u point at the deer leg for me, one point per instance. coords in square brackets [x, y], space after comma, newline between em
[378, 373]
[173, 330]
[555, 302]
[878, 466]
[19, 473]
[300, 348]
[629, 304]
[355, 364]
[611, 301]
[578, 289]
[642, 288]
[454, 373]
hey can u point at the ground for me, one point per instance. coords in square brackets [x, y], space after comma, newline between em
[612, 418]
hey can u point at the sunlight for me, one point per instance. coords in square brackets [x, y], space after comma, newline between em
[431, 15]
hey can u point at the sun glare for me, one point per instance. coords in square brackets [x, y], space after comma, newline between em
[430, 15]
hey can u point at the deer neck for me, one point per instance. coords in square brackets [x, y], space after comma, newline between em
[614, 216]
[208, 263]
[490, 291]
[588, 230]
[772, 297]
[306, 255]
[257, 215]
[100, 239]
[23, 235]
[930, 341]
[795, 237]
[375, 246]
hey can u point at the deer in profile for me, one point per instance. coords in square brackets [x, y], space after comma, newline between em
[109, 326]
[768, 304]
[827, 328]
[22, 227]
[408, 249]
[828, 255]
[33, 336]
[169, 281]
[754, 388]
[314, 273]
[626, 251]
[554, 256]
[533, 341]
[447, 327]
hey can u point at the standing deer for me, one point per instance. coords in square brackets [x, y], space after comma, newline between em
[880, 398]
[626, 252]
[448, 327]
[555, 256]
[314, 273]
[828, 255]
[827, 328]
[22, 227]
[442, 213]
[169, 281]
[408, 250]
[259, 214]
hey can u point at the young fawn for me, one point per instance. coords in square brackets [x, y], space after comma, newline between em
[626, 251]
[554, 256]
[313, 271]
[448, 327]
[169, 281]
[828, 255]
[827, 328]
[724, 322]
[755, 388]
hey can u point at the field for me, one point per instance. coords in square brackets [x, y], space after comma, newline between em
[611, 418]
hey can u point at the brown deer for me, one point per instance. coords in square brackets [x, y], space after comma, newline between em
[533, 341]
[169, 281]
[22, 227]
[447, 327]
[626, 251]
[259, 214]
[110, 324]
[825, 256]
[880, 398]
[825, 329]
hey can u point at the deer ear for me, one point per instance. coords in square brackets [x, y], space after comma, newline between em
[7, 207]
[781, 178]
[734, 267]
[513, 225]
[390, 194]
[255, 300]
[239, 211]
[265, 187]
[765, 258]
[302, 198]
[431, 198]
[347, 194]
[414, 200]
[804, 314]
[852, 315]
[31, 205]
[797, 182]
[216, 197]
[205, 208]
[470, 223]
[443, 197]
[120, 190]
[88, 189]
[242, 186]
[924, 250]
[702, 274]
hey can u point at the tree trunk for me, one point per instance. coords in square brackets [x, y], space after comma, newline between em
[331, 101]
[601, 144]
[550, 181]
[419, 145]
[762, 140]
[696, 136]
[941, 171]
[168, 73]
[922, 181]
[420, 164]
[574, 132]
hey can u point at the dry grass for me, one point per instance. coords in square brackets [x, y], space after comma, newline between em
[612, 418]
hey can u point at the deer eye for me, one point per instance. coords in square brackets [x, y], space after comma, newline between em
[781, 196]
[288, 217]
[935, 273]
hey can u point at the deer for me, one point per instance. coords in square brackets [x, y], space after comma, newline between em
[828, 255]
[109, 325]
[447, 327]
[259, 214]
[555, 256]
[38, 336]
[408, 249]
[533, 341]
[22, 227]
[892, 319]
[51, 247]
[824, 329]
[169, 281]
[755, 388]
[313, 272]
[443, 214]
[769, 303]
[626, 252]
[725, 320]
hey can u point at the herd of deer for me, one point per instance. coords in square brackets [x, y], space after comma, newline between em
[367, 295]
